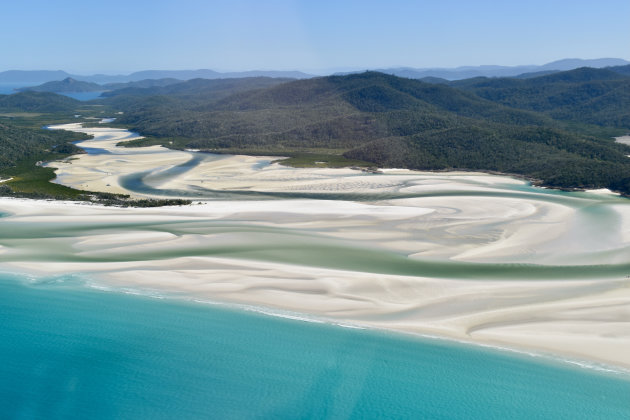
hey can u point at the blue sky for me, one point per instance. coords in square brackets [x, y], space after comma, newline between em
[119, 36]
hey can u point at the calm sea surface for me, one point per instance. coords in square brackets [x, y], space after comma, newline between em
[9, 88]
[69, 351]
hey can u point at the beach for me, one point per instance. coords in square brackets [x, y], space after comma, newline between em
[584, 319]
[623, 139]
[472, 257]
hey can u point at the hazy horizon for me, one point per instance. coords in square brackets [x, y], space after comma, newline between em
[85, 38]
[307, 71]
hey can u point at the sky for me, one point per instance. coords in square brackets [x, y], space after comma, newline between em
[119, 36]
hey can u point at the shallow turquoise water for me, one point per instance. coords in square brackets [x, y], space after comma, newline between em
[68, 351]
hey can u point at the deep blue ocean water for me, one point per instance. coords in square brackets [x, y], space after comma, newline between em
[68, 351]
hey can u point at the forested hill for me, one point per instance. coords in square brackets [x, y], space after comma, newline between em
[172, 99]
[203, 89]
[400, 122]
[66, 85]
[625, 70]
[586, 95]
[331, 112]
[37, 102]
[19, 143]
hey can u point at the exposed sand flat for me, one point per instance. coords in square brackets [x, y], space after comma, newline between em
[586, 320]
[158, 168]
[101, 171]
[583, 319]
[623, 139]
[442, 254]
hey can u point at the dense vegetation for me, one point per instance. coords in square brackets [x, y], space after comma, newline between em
[72, 85]
[338, 112]
[23, 144]
[37, 102]
[392, 121]
[147, 83]
[17, 143]
[533, 126]
[202, 90]
[21, 148]
[596, 96]
[66, 85]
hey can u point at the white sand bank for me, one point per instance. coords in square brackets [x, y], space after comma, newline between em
[587, 319]
[102, 172]
[276, 253]
[623, 140]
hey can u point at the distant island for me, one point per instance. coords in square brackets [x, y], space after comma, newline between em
[66, 85]
[457, 73]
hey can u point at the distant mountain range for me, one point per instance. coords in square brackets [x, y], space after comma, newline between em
[72, 85]
[468, 72]
[66, 85]
[30, 77]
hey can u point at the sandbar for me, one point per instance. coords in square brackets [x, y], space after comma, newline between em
[404, 250]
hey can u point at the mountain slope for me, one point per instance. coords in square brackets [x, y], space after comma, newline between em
[145, 83]
[195, 87]
[37, 102]
[585, 95]
[389, 121]
[66, 85]
[332, 112]
[467, 72]
[625, 70]
[18, 143]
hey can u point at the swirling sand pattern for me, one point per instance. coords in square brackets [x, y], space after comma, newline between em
[470, 256]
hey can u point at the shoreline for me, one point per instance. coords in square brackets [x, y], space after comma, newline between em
[105, 183]
[462, 256]
[532, 353]
[598, 365]
[452, 309]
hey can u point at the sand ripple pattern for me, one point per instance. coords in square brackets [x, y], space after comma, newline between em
[470, 256]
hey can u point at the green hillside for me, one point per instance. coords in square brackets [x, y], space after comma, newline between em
[338, 112]
[18, 143]
[37, 102]
[195, 87]
[66, 85]
[21, 148]
[392, 121]
[584, 95]
[530, 127]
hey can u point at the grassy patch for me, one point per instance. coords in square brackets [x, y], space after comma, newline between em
[294, 157]
[315, 160]
[154, 141]
[30, 179]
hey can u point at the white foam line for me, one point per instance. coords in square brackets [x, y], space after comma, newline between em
[300, 317]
